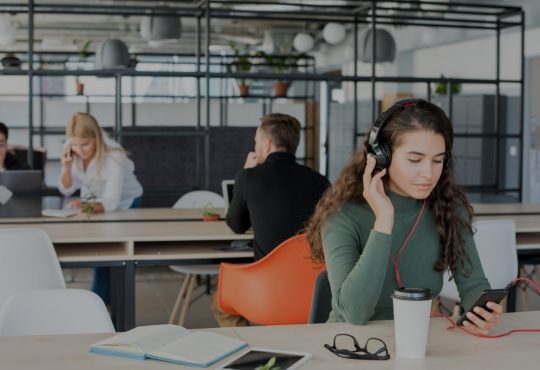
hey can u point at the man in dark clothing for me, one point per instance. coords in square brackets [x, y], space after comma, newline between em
[273, 193]
[8, 161]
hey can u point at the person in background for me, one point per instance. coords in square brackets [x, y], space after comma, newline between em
[396, 218]
[273, 194]
[8, 161]
[98, 167]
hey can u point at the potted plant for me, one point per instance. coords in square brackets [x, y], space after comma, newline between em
[242, 63]
[441, 88]
[83, 54]
[281, 64]
[210, 213]
[88, 205]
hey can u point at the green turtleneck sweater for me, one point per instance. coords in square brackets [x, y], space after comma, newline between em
[361, 275]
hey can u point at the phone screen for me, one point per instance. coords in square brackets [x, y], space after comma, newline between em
[490, 295]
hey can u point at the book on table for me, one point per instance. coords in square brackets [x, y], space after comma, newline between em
[171, 343]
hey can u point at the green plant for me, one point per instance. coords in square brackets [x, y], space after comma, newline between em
[441, 88]
[83, 54]
[88, 202]
[242, 61]
[281, 63]
[269, 365]
[209, 210]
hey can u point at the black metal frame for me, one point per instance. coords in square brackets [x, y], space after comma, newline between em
[372, 12]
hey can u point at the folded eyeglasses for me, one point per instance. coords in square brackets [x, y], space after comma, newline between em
[346, 346]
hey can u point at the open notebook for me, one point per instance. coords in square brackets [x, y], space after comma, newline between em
[66, 212]
[170, 343]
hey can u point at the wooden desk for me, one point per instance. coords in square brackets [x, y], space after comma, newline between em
[495, 209]
[127, 215]
[446, 350]
[126, 245]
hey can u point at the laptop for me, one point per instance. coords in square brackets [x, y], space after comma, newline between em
[227, 187]
[20, 193]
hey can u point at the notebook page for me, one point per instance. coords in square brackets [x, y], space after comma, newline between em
[144, 338]
[199, 348]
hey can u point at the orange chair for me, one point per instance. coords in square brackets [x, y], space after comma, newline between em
[275, 290]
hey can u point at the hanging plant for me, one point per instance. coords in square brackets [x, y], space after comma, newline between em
[441, 88]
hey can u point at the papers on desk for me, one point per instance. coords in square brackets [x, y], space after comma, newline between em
[59, 212]
[170, 343]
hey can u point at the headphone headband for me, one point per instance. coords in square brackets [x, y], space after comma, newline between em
[381, 151]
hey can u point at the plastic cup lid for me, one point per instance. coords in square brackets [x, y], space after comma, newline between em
[412, 294]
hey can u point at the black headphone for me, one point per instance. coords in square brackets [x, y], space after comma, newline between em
[380, 149]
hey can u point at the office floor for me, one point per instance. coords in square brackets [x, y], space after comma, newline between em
[157, 288]
[156, 291]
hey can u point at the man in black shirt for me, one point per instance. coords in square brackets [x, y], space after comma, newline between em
[8, 161]
[273, 194]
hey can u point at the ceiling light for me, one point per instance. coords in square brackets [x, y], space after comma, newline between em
[7, 30]
[385, 48]
[111, 54]
[333, 33]
[158, 30]
[5, 23]
[303, 42]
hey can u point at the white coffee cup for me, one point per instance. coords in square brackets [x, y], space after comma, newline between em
[411, 321]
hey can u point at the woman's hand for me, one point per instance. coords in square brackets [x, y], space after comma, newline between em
[66, 159]
[77, 204]
[482, 321]
[377, 199]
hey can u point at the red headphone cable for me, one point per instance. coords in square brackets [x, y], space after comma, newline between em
[395, 261]
[453, 324]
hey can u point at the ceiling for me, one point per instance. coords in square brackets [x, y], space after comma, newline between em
[69, 32]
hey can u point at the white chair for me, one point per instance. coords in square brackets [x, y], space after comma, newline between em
[496, 244]
[193, 199]
[27, 262]
[54, 311]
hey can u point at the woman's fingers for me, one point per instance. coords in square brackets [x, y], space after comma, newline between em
[482, 321]
[367, 178]
[495, 307]
[376, 181]
[474, 328]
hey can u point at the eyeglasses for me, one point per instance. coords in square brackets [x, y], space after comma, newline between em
[346, 346]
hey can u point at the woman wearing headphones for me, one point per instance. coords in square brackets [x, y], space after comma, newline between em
[100, 168]
[395, 218]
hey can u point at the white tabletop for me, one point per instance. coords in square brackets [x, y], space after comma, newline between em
[446, 350]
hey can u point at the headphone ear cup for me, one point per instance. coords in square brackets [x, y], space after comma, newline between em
[383, 160]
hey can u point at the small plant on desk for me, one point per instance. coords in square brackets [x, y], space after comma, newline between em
[269, 365]
[88, 205]
[210, 213]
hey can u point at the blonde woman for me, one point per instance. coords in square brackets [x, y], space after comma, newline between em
[98, 167]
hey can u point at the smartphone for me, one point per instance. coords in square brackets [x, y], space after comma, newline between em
[490, 295]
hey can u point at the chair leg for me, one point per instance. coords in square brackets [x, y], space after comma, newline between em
[179, 299]
[187, 300]
[523, 290]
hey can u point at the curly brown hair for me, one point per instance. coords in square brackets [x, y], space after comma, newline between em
[445, 200]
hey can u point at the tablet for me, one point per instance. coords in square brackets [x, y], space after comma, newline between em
[255, 357]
